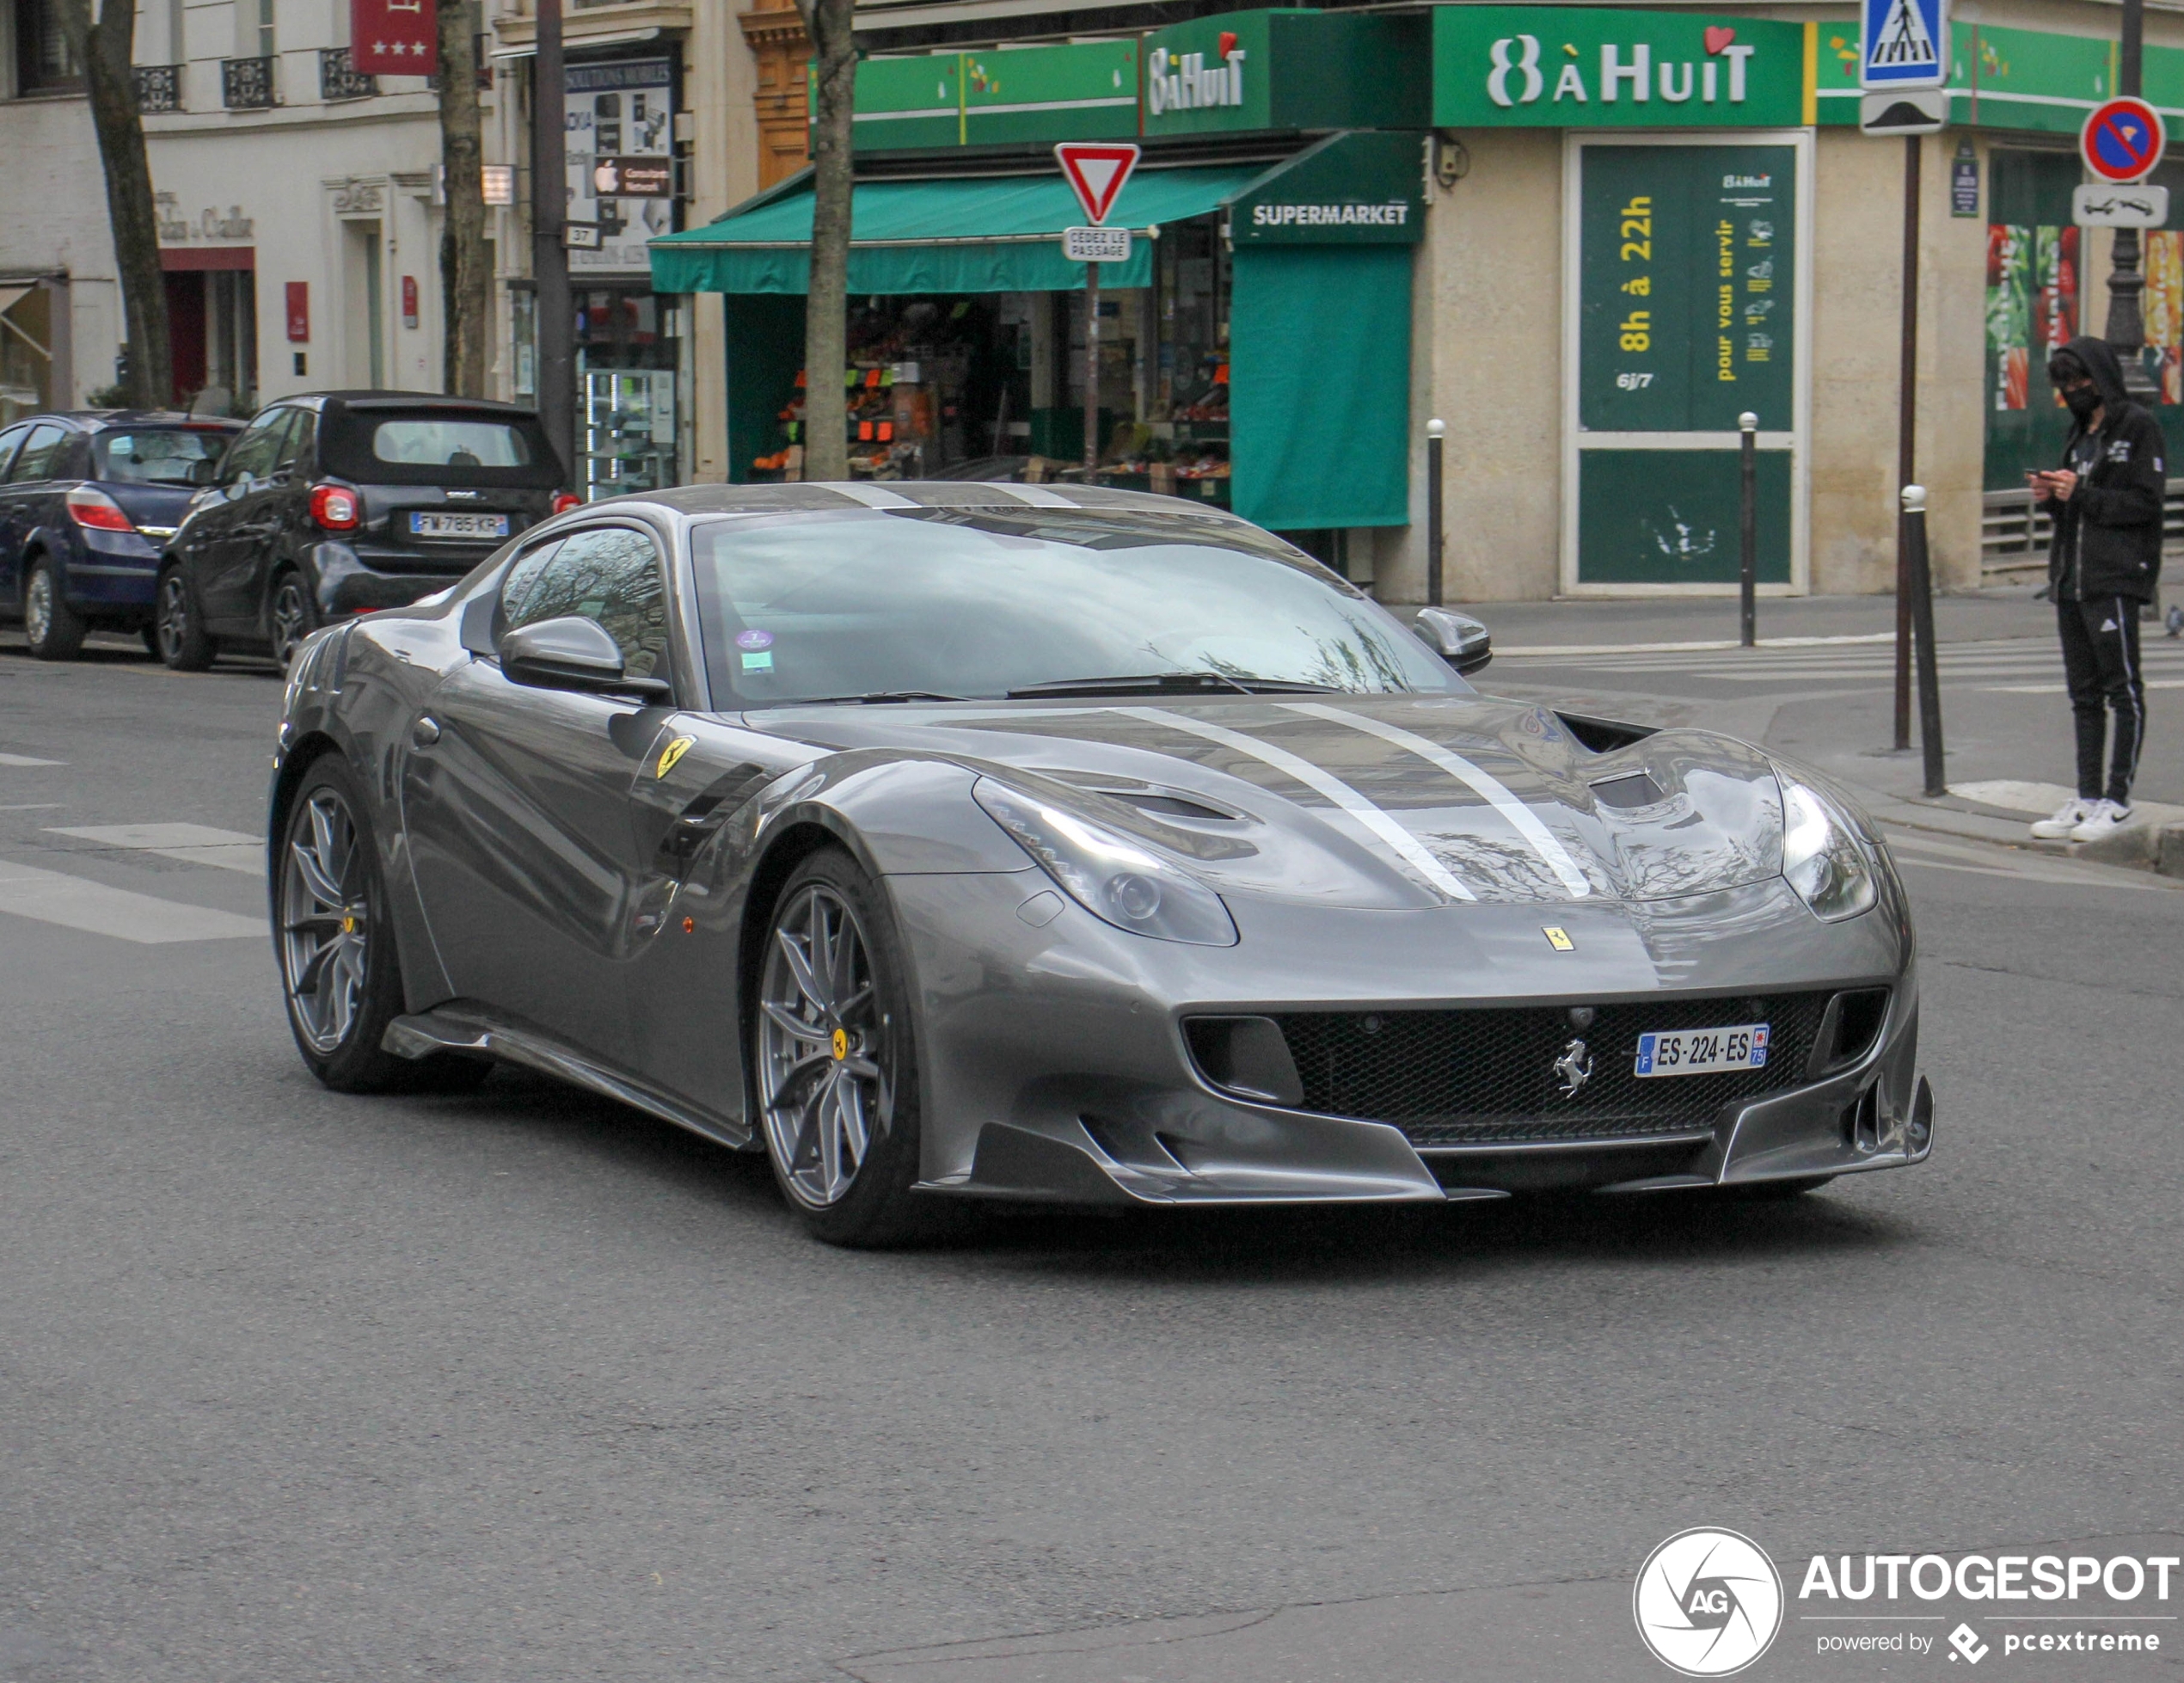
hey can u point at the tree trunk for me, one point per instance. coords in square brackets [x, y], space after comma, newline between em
[105, 49]
[826, 414]
[466, 283]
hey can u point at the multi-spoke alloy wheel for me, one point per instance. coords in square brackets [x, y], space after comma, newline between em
[183, 644]
[325, 919]
[292, 620]
[824, 1083]
[37, 607]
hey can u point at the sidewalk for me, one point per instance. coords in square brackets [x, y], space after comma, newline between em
[1522, 626]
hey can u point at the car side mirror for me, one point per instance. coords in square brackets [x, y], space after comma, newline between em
[1458, 638]
[573, 653]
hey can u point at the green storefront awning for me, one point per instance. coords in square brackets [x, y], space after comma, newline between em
[1000, 234]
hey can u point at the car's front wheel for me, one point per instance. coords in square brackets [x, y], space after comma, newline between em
[340, 969]
[834, 1061]
[53, 629]
[292, 614]
[180, 628]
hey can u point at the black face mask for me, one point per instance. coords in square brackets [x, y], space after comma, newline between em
[2083, 400]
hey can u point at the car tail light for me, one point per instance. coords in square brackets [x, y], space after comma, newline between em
[87, 507]
[335, 507]
[565, 500]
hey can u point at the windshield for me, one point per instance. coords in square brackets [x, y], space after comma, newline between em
[159, 456]
[978, 604]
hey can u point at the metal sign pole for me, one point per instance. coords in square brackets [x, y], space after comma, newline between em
[552, 323]
[1906, 436]
[1091, 368]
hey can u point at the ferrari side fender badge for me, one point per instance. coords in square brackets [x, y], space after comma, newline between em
[673, 751]
[1558, 939]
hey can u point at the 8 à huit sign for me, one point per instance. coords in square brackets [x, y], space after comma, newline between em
[1564, 67]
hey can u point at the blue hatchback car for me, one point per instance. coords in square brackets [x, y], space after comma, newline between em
[87, 501]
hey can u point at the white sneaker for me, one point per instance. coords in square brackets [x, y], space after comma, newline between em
[2106, 818]
[2068, 816]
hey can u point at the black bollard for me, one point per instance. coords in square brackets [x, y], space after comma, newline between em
[1929, 659]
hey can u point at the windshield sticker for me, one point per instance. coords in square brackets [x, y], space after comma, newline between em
[754, 639]
[758, 660]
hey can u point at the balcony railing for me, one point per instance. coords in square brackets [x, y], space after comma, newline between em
[246, 84]
[159, 87]
[336, 80]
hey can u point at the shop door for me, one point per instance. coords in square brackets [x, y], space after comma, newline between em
[1686, 265]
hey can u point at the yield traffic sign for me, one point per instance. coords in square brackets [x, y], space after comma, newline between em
[1096, 170]
[2122, 139]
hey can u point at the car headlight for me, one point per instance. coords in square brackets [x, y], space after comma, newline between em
[1822, 856]
[1110, 875]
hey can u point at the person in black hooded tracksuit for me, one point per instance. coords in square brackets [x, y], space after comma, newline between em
[2102, 563]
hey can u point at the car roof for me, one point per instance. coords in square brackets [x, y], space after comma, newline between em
[403, 400]
[97, 421]
[819, 495]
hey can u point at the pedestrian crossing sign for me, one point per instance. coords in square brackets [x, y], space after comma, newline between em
[1905, 44]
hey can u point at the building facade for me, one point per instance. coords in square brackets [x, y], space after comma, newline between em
[1629, 228]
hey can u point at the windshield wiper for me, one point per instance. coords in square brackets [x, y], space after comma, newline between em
[1169, 684]
[870, 696]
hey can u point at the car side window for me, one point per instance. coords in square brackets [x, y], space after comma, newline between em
[39, 450]
[255, 450]
[8, 440]
[608, 574]
[296, 443]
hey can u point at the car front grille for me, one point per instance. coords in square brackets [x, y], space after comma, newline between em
[1486, 1076]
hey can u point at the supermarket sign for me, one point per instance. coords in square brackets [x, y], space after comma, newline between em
[1582, 67]
[1365, 187]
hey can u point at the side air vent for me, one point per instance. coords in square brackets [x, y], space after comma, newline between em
[1604, 735]
[1847, 1031]
[1247, 1056]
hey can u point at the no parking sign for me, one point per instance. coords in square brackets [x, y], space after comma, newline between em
[2122, 140]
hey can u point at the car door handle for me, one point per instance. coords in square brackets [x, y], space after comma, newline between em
[425, 732]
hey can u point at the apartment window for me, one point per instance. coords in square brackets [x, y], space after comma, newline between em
[43, 62]
[256, 18]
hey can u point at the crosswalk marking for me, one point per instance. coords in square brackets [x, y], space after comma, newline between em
[76, 902]
[192, 844]
[2014, 666]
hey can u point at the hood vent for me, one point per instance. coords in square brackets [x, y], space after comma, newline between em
[1638, 789]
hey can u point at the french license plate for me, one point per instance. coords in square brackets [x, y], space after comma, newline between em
[1702, 1051]
[458, 526]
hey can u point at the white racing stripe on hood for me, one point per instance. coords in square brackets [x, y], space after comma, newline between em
[1373, 818]
[1525, 821]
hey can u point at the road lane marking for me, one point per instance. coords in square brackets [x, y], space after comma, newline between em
[1330, 788]
[96, 908]
[192, 844]
[1483, 784]
[26, 760]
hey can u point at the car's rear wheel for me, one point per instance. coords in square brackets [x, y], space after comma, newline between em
[53, 629]
[833, 1059]
[179, 628]
[292, 614]
[340, 969]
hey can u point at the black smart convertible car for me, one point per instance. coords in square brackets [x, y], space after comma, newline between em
[344, 502]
